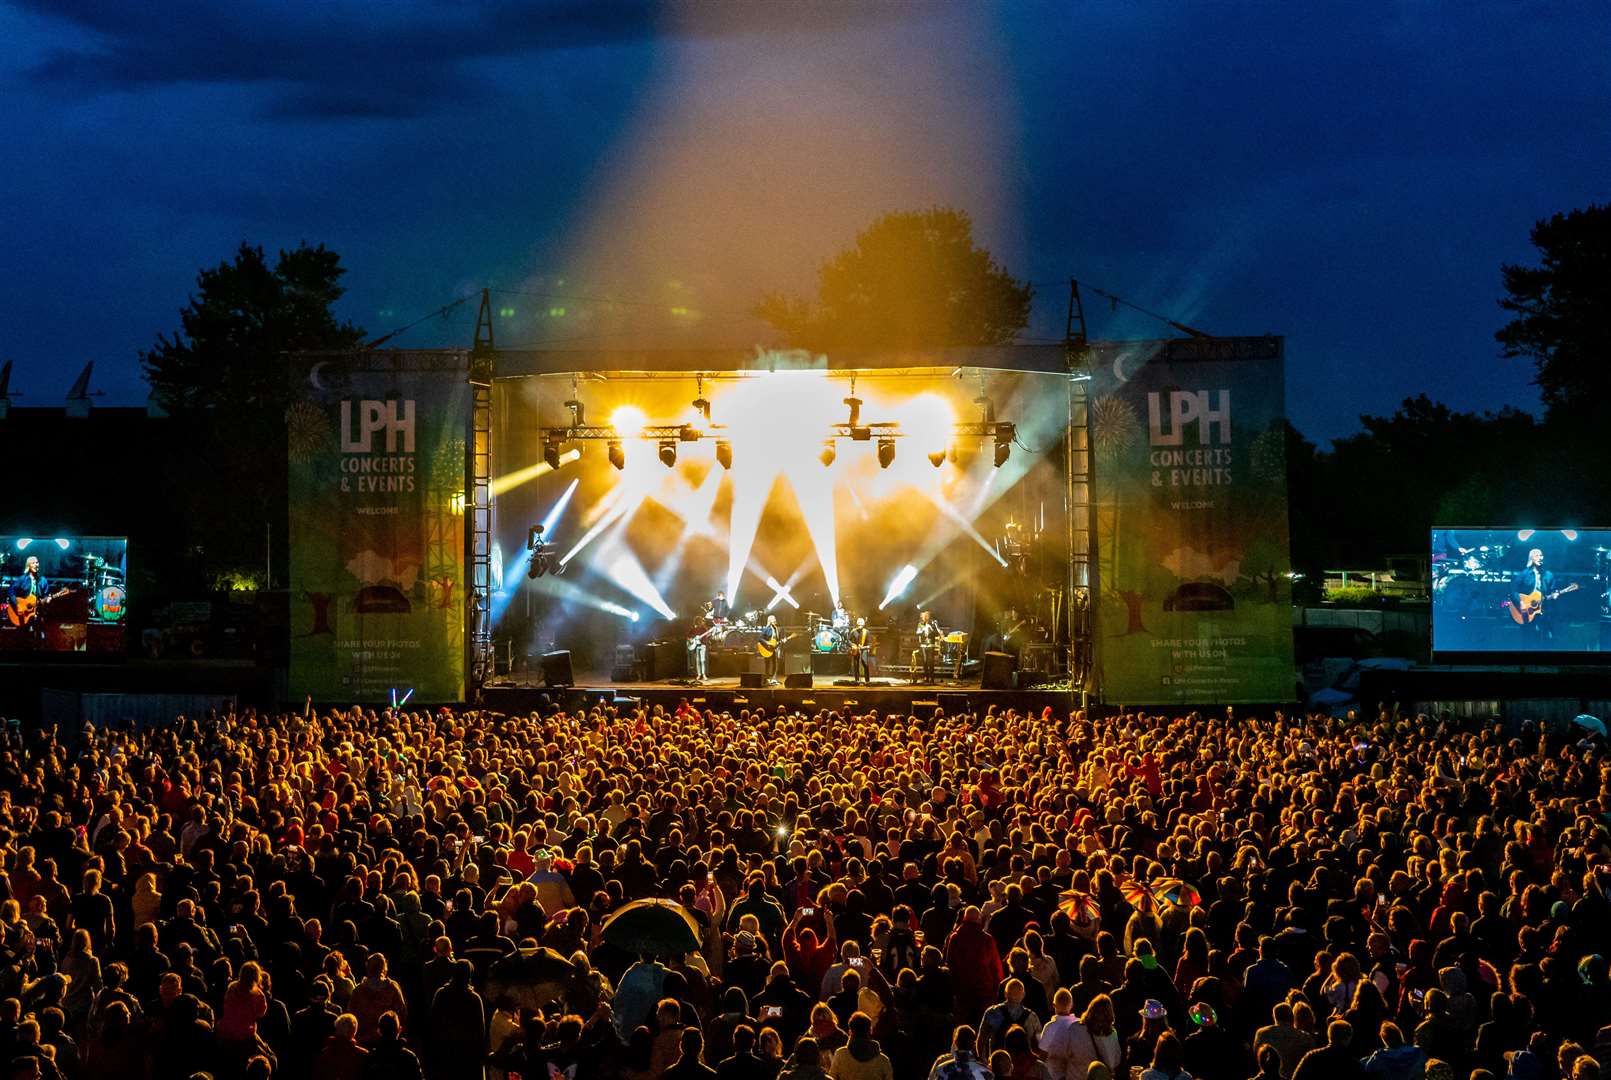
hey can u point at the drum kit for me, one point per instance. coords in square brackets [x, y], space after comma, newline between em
[1462, 578]
[829, 633]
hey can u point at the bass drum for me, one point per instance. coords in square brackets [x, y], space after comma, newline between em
[108, 603]
[825, 641]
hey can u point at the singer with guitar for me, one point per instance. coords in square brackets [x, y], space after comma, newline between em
[29, 592]
[1532, 588]
[861, 647]
[769, 645]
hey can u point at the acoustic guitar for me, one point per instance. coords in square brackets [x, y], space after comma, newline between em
[25, 609]
[1529, 605]
[766, 651]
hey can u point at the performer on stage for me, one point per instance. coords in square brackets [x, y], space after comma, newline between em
[927, 653]
[1535, 582]
[697, 650]
[840, 619]
[719, 609]
[25, 599]
[769, 639]
[861, 648]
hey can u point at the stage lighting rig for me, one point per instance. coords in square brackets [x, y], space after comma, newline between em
[1005, 433]
[542, 560]
[617, 455]
[724, 453]
[668, 452]
[829, 452]
[551, 453]
[886, 452]
[937, 458]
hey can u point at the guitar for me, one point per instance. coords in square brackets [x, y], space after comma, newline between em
[26, 608]
[1529, 605]
[766, 651]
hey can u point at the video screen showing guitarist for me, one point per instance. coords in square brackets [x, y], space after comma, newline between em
[1534, 587]
[29, 591]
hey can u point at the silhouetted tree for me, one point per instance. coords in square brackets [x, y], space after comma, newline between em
[911, 279]
[1563, 310]
[224, 379]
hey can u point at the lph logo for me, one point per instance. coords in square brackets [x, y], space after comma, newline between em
[395, 418]
[1190, 407]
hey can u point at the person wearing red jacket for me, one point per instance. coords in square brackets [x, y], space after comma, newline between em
[975, 963]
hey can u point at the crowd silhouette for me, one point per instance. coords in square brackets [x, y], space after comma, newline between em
[408, 893]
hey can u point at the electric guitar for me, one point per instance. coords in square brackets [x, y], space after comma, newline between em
[1529, 605]
[766, 651]
[25, 609]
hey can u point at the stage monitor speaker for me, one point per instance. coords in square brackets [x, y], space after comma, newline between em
[624, 673]
[798, 680]
[996, 672]
[557, 669]
[752, 680]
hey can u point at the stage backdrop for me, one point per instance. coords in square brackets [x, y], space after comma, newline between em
[1192, 522]
[377, 472]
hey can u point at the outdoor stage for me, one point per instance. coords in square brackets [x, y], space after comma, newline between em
[726, 695]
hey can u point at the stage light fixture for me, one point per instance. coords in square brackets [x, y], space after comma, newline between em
[937, 458]
[1003, 451]
[828, 453]
[617, 455]
[724, 453]
[886, 452]
[551, 454]
[668, 452]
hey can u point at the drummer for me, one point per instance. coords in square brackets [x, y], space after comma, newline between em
[841, 617]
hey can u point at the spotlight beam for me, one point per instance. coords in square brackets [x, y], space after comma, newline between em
[628, 573]
[511, 480]
[780, 591]
[898, 585]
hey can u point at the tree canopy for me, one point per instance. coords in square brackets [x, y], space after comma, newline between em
[911, 279]
[1563, 310]
[224, 379]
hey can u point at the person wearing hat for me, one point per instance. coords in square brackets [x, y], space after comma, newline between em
[1211, 1052]
[1153, 1021]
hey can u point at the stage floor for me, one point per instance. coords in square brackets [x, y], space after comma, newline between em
[827, 692]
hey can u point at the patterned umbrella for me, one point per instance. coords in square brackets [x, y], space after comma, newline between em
[1175, 891]
[1137, 894]
[1079, 906]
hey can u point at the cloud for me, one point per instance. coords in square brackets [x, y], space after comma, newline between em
[363, 60]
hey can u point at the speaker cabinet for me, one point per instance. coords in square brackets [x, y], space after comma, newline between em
[830, 663]
[557, 669]
[996, 672]
[752, 680]
[799, 680]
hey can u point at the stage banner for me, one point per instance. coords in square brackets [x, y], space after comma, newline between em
[377, 475]
[1193, 559]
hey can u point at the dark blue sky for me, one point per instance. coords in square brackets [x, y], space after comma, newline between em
[1350, 175]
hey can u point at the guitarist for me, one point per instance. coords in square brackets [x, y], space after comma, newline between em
[860, 648]
[32, 589]
[770, 650]
[1533, 578]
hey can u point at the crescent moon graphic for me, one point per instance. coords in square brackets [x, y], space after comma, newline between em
[313, 375]
[1118, 368]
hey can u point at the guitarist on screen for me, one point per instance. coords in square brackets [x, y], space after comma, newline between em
[1532, 586]
[29, 590]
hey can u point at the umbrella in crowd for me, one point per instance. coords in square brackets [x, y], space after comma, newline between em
[1138, 895]
[1591, 724]
[1079, 906]
[659, 927]
[531, 978]
[1175, 891]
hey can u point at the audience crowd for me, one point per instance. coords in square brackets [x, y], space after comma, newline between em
[352, 895]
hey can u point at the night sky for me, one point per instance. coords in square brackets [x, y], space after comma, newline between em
[1350, 175]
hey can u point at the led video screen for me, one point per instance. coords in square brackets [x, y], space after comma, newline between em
[63, 594]
[1519, 590]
